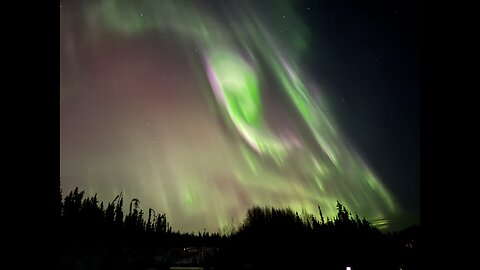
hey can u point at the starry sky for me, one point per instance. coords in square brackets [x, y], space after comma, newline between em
[202, 109]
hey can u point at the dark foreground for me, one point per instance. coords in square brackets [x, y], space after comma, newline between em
[93, 237]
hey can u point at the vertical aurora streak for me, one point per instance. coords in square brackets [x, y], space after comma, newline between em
[244, 125]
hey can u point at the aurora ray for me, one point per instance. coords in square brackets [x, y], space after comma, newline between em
[235, 67]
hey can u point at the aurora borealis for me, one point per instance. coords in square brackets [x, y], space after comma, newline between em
[202, 109]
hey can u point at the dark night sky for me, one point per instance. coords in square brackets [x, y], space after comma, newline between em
[373, 71]
[203, 108]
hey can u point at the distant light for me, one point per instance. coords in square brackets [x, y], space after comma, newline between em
[348, 268]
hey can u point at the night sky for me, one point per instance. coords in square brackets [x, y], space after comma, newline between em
[202, 109]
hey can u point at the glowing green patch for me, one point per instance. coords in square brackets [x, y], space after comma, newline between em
[240, 88]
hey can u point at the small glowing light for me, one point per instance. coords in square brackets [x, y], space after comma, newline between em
[348, 268]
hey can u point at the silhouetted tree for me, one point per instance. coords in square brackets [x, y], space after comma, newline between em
[321, 215]
[119, 213]
[149, 226]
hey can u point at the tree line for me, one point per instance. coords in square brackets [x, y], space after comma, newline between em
[267, 238]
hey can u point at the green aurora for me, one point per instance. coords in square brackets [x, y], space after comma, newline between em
[276, 142]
